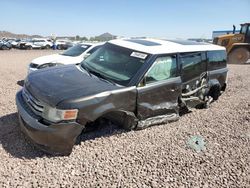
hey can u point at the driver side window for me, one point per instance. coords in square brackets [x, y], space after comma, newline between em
[162, 69]
[244, 29]
[248, 31]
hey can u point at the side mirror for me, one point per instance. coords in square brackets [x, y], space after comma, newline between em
[86, 55]
[142, 83]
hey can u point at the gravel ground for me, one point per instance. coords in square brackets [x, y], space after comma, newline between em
[159, 156]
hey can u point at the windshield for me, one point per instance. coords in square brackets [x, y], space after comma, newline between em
[76, 50]
[115, 63]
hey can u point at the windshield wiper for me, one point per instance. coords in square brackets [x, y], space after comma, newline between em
[86, 69]
[67, 55]
[100, 76]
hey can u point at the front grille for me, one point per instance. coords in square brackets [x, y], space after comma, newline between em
[36, 106]
[33, 65]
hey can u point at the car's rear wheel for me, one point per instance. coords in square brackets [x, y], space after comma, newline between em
[215, 92]
[59, 47]
[239, 56]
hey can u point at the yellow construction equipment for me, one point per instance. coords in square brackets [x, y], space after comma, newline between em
[237, 45]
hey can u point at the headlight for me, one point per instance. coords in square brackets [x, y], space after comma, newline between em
[56, 115]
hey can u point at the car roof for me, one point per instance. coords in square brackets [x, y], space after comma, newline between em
[92, 44]
[162, 46]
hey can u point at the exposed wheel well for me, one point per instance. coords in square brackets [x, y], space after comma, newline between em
[125, 119]
[223, 88]
[214, 91]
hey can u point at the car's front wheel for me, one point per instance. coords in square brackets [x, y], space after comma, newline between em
[5, 47]
[47, 47]
[29, 47]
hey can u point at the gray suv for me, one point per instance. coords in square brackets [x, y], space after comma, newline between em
[135, 83]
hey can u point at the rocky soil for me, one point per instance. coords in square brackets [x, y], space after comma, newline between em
[160, 156]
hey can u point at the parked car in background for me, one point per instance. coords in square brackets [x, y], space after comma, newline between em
[38, 43]
[135, 83]
[5, 45]
[73, 55]
[63, 44]
[15, 42]
[22, 42]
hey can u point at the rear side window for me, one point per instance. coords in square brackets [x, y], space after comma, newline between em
[162, 69]
[217, 59]
[193, 65]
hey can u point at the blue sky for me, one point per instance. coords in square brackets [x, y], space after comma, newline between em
[152, 18]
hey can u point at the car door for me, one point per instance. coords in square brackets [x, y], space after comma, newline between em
[194, 67]
[36, 44]
[247, 36]
[158, 93]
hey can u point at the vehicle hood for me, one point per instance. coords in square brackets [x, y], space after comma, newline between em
[58, 84]
[57, 58]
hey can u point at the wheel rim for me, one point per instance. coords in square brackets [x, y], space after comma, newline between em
[240, 56]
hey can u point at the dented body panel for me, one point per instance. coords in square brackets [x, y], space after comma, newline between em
[64, 83]
[218, 77]
[58, 138]
[158, 99]
[95, 106]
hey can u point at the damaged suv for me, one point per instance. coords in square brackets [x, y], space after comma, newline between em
[133, 82]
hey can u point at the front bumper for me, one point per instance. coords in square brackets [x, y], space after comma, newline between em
[58, 138]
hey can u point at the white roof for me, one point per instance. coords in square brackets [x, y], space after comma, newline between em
[162, 46]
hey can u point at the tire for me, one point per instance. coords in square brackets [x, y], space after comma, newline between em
[129, 122]
[47, 47]
[4, 47]
[29, 47]
[214, 92]
[239, 56]
[59, 47]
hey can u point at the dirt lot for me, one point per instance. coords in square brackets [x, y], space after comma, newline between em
[159, 156]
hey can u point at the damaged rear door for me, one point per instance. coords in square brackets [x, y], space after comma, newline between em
[157, 94]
